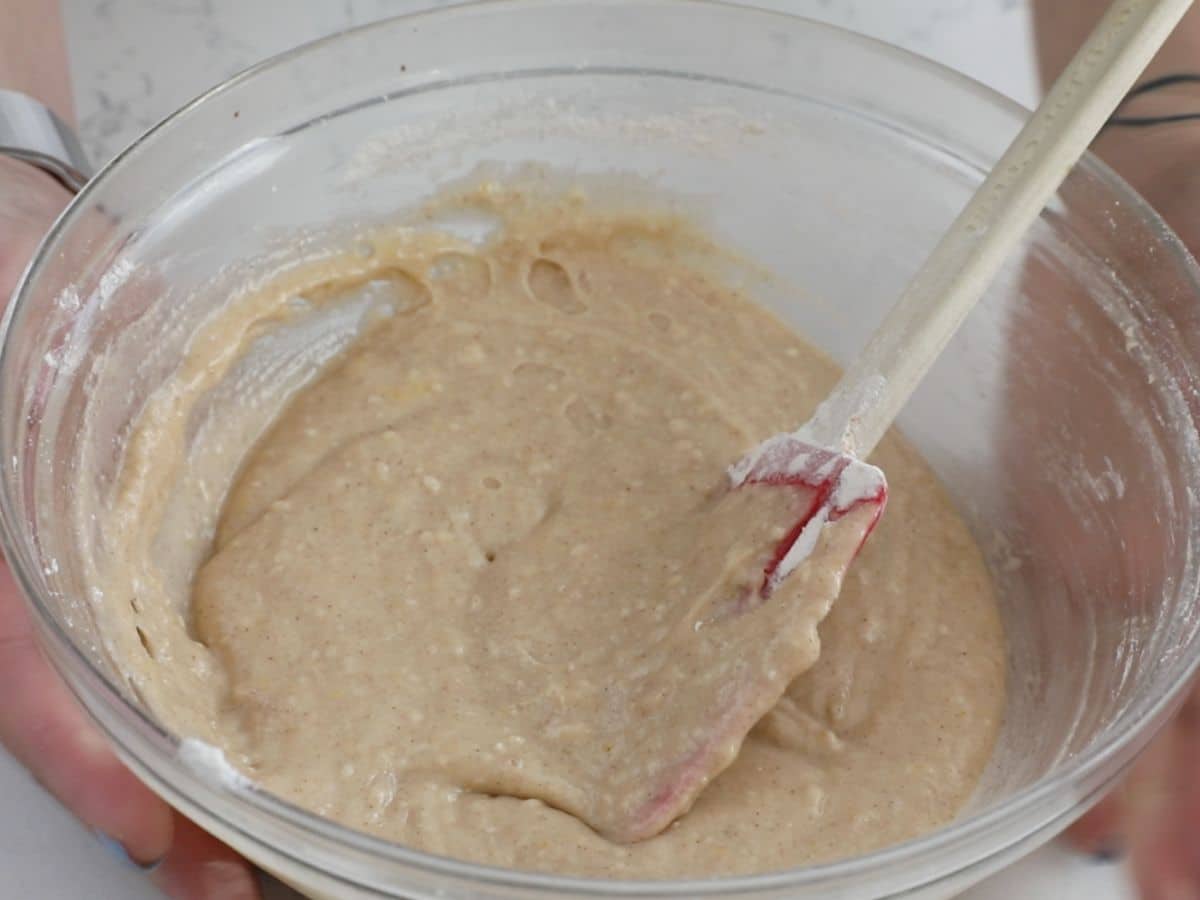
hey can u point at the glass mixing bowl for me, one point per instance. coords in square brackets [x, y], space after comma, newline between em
[1062, 418]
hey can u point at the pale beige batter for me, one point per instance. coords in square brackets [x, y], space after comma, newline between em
[440, 569]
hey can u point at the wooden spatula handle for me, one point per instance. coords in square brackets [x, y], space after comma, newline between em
[876, 386]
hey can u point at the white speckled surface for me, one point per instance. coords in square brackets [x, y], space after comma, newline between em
[134, 61]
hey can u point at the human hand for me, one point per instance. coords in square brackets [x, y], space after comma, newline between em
[40, 723]
[1155, 813]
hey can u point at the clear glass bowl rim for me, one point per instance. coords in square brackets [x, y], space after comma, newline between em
[960, 833]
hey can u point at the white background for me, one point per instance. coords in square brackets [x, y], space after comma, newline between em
[134, 61]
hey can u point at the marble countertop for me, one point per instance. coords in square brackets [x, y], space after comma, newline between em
[135, 61]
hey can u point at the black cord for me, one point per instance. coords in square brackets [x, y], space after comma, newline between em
[1161, 82]
[1145, 121]
[1155, 84]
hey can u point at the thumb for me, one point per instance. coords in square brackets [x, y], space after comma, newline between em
[1100, 833]
[47, 732]
[199, 867]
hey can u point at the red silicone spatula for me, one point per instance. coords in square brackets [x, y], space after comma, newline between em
[822, 462]
[825, 455]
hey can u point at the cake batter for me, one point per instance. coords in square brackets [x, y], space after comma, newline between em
[439, 572]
